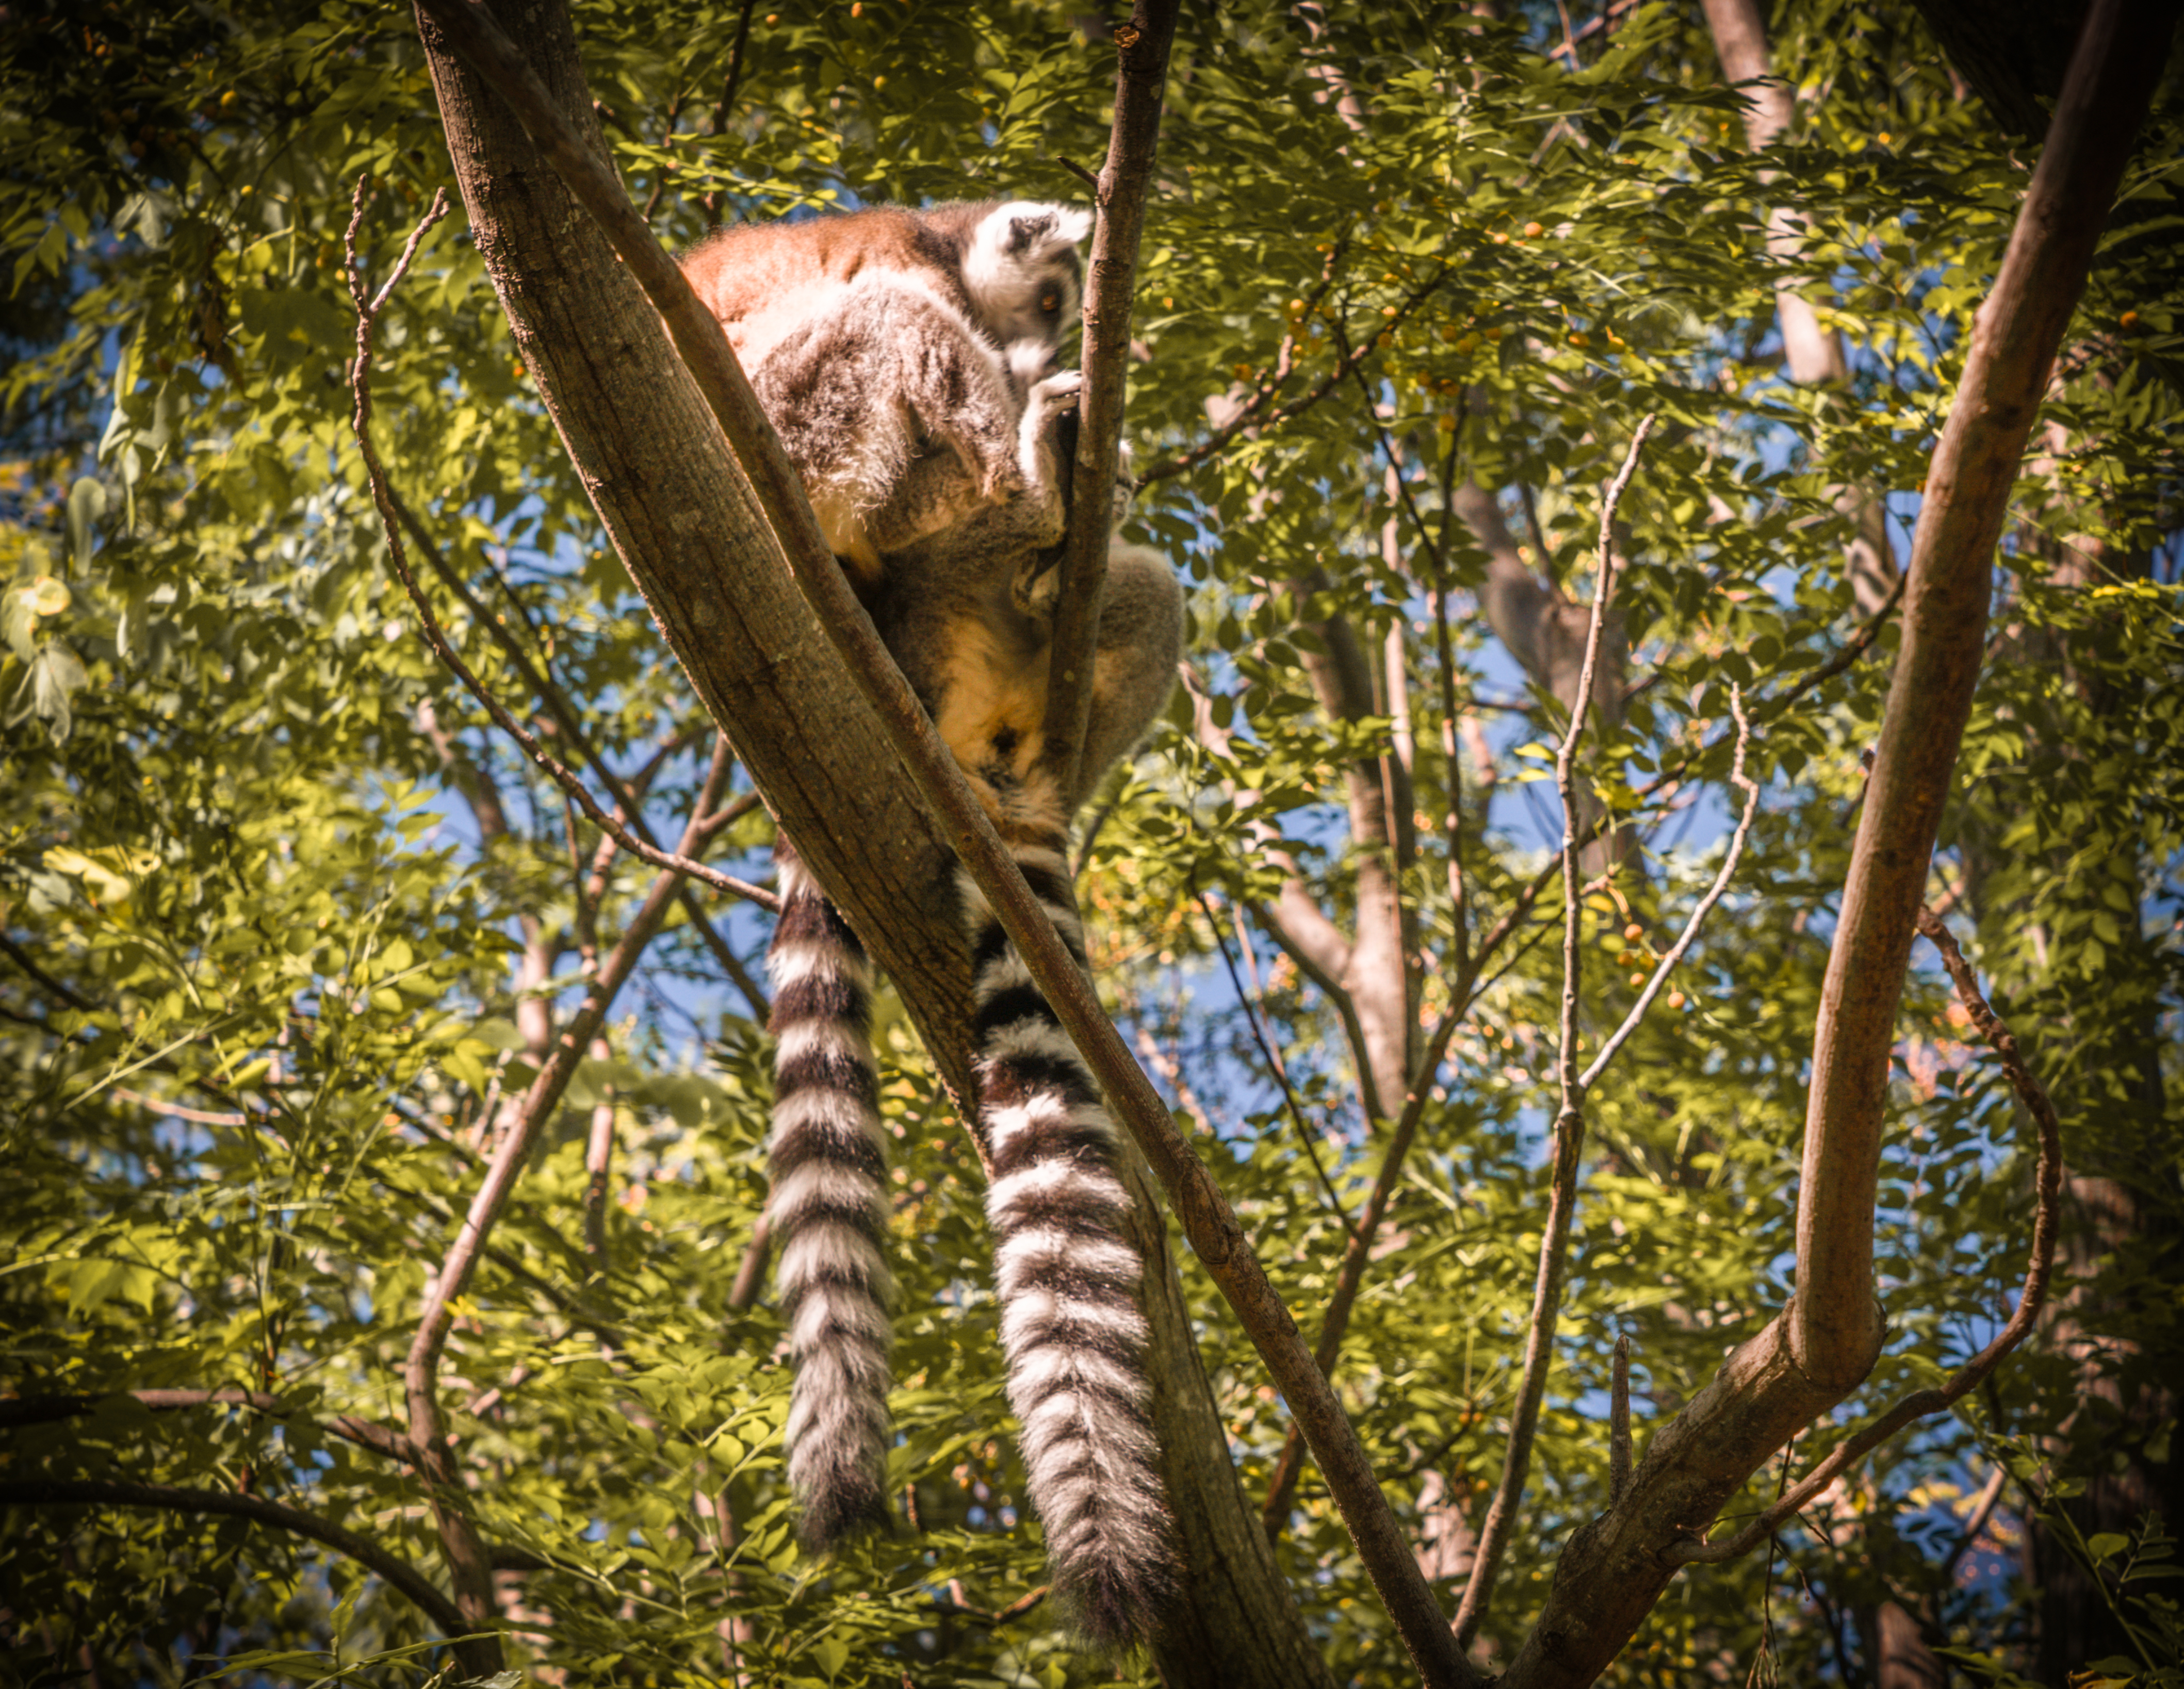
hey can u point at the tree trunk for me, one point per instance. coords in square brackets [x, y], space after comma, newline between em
[688, 527]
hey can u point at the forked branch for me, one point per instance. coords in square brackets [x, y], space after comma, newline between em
[2048, 1184]
[1569, 1117]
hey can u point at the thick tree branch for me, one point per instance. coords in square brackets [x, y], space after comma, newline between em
[2047, 1185]
[704, 545]
[1834, 1328]
[444, 1614]
[1819, 1347]
[1141, 51]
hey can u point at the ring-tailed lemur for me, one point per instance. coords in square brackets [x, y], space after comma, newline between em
[874, 338]
[921, 429]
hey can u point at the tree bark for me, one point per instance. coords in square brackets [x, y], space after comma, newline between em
[689, 528]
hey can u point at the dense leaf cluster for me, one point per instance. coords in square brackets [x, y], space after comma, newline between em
[285, 922]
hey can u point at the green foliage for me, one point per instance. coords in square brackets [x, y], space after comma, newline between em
[281, 912]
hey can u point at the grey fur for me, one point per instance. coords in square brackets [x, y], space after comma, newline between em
[918, 405]
[924, 331]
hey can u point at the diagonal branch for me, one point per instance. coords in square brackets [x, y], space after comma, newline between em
[23, 959]
[428, 1600]
[39, 1410]
[2048, 1188]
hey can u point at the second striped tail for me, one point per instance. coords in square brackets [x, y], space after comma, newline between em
[1067, 1276]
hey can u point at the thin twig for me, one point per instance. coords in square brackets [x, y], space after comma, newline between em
[1677, 951]
[1349, 1278]
[1569, 1117]
[360, 425]
[714, 200]
[1275, 1062]
[1618, 1422]
[1920, 1403]
[1249, 417]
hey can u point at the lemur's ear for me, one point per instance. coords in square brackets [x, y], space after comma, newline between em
[1026, 233]
[1047, 228]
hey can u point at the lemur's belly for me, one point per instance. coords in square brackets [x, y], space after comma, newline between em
[991, 712]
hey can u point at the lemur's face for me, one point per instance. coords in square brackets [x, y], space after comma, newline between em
[1023, 274]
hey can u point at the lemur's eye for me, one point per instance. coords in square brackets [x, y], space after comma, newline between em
[1050, 301]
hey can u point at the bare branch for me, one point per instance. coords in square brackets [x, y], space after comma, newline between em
[1677, 951]
[445, 1616]
[1569, 1119]
[726, 104]
[1274, 1063]
[1141, 51]
[2048, 1186]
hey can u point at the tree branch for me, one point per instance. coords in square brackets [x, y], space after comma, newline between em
[445, 1616]
[1569, 1119]
[2047, 1185]
[1141, 52]
[1816, 1350]
[38, 1410]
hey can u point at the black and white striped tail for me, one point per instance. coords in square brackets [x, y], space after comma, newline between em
[828, 1211]
[1067, 1277]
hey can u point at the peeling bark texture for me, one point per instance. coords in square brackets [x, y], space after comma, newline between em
[1821, 1345]
[689, 527]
